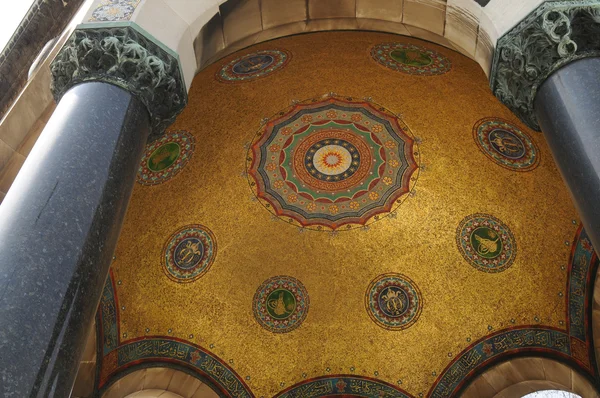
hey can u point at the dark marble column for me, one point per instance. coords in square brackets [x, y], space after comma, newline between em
[59, 225]
[546, 70]
[60, 221]
[567, 107]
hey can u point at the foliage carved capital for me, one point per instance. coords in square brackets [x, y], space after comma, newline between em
[126, 58]
[553, 35]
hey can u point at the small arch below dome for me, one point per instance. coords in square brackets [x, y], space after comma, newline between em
[551, 394]
[523, 376]
[159, 382]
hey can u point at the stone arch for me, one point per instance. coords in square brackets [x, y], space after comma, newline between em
[241, 23]
[519, 376]
[158, 381]
[204, 31]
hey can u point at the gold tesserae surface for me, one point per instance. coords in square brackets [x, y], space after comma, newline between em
[460, 303]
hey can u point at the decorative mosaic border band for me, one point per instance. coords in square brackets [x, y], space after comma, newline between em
[343, 385]
[583, 265]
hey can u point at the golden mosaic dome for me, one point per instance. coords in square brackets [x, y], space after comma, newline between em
[345, 213]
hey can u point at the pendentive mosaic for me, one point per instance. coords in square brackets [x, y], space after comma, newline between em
[116, 358]
[411, 59]
[165, 158]
[333, 162]
[114, 10]
[253, 66]
[506, 144]
[189, 253]
[486, 243]
[393, 301]
[280, 304]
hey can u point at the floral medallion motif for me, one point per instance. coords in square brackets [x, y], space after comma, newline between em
[114, 10]
[165, 157]
[253, 66]
[411, 59]
[189, 253]
[486, 243]
[393, 301]
[506, 145]
[280, 304]
[333, 162]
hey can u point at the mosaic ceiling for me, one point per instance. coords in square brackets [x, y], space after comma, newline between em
[346, 213]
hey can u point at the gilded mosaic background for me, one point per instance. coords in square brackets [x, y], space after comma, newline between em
[438, 299]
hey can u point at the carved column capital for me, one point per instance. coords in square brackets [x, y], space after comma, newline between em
[126, 58]
[553, 35]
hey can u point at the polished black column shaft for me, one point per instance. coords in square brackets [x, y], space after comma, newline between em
[59, 225]
[567, 107]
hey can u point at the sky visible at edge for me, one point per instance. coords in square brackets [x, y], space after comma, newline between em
[11, 16]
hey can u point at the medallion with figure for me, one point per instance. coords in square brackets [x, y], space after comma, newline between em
[411, 59]
[486, 243]
[393, 301]
[253, 66]
[280, 304]
[189, 253]
[506, 144]
[164, 158]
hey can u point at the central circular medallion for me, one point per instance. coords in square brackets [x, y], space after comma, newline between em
[324, 164]
[486, 243]
[393, 301]
[280, 304]
[332, 158]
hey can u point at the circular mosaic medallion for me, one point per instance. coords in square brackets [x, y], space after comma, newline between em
[116, 10]
[412, 59]
[253, 66]
[486, 243]
[393, 301]
[506, 145]
[334, 162]
[280, 304]
[189, 253]
[165, 157]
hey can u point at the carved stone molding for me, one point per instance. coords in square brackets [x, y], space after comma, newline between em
[554, 34]
[126, 58]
